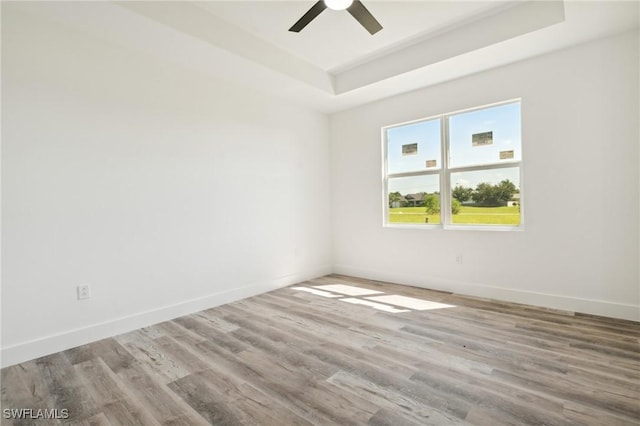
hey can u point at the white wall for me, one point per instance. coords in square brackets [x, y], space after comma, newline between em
[165, 190]
[579, 250]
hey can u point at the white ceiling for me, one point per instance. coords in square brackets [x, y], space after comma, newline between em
[334, 63]
[335, 40]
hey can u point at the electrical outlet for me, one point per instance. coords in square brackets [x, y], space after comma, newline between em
[459, 259]
[84, 292]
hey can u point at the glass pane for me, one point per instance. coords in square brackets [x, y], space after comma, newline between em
[486, 197]
[485, 136]
[414, 199]
[413, 147]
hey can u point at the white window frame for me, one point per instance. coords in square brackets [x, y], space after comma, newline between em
[445, 172]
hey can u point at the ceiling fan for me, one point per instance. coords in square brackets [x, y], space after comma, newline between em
[354, 7]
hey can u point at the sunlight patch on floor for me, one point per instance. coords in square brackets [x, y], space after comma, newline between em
[374, 305]
[392, 303]
[316, 292]
[409, 302]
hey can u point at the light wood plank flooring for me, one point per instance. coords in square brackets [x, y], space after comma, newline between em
[292, 357]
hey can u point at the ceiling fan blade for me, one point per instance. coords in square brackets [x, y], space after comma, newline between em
[308, 17]
[362, 15]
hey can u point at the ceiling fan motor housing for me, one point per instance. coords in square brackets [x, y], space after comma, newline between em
[354, 7]
[338, 4]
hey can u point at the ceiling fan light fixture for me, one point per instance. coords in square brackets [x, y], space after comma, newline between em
[338, 4]
[354, 7]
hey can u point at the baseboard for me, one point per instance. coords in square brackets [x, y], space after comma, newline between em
[552, 301]
[36, 348]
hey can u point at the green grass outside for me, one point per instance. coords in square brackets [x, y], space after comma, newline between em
[468, 215]
[412, 215]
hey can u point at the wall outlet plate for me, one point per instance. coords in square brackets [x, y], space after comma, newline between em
[84, 292]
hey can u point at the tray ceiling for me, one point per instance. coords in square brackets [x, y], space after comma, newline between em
[334, 64]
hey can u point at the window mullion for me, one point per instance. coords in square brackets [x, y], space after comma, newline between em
[492, 166]
[411, 174]
[445, 175]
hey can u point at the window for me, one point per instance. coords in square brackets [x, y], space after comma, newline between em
[456, 170]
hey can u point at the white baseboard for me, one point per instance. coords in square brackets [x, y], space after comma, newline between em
[32, 349]
[36, 348]
[552, 301]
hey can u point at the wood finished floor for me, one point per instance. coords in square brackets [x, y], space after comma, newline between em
[290, 357]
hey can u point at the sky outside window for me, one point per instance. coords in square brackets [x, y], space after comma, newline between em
[412, 185]
[502, 122]
[425, 135]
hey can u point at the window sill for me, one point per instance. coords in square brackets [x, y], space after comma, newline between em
[491, 228]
